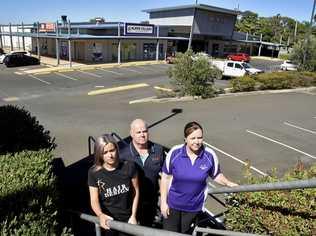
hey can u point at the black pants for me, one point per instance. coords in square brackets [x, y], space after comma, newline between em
[180, 221]
[146, 213]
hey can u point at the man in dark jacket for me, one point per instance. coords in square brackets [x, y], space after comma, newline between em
[149, 158]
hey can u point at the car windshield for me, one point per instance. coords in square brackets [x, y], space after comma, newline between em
[247, 65]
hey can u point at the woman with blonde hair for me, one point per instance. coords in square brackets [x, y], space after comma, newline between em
[113, 185]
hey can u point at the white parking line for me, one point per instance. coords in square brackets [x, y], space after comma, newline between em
[113, 72]
[236, 159]
[298, 127]
[65, 76]
[145, 68]
[43, 81]
[89, 73]
[282, 144]
[131, 70]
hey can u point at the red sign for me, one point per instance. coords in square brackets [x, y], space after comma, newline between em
[47, 27]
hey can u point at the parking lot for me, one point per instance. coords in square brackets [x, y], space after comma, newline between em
[264, 131]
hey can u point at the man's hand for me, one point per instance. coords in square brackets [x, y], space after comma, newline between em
[104, 219]
[164, 208]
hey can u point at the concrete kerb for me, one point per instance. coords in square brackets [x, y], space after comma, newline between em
[154, 99]
[91, 67]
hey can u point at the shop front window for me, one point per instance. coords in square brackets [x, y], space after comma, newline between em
[149, 51]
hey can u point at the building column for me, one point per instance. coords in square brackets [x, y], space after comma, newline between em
[57, 44]
[119, 52]
[69, 44]
[119, 44]
[157, 46]
[11, 41]
[23, 39]
[38, 43]
[259, 52]
[1, 42]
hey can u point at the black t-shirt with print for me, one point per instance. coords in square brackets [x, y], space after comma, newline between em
[115, 189]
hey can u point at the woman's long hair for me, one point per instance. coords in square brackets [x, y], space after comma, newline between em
[99, 148]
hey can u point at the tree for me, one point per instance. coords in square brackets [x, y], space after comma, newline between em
[303, 47]
[193, 75]
[248, 22]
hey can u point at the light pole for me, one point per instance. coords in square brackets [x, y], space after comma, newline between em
[192, 26]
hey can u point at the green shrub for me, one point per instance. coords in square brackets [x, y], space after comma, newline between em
[308, 77]
[243, 84]
[275, 212]
[192, 75]
[279, 80]
[304, 54]
[28, 194]
[284, 56]
[21, 131]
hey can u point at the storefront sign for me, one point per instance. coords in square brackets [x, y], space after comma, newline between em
[138, 29]
[47, 27]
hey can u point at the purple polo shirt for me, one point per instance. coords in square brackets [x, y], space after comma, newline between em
[188, 189]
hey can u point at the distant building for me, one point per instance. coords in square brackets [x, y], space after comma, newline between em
[168, 30]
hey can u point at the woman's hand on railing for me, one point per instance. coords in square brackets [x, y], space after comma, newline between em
[132, 220]
[104, 219]
[164, 208]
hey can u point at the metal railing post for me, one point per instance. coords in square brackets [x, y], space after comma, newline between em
[97, 229]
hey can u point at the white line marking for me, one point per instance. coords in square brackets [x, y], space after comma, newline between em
[43, 81]
[131, 70]
[99, 86]
[88, 73]
[145, 68]
[113, 72]
[314, 117]
[65, 76]
[236, 159]
[298, 127]
[282, 144]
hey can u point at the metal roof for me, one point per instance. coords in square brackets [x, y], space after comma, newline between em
[198, 6]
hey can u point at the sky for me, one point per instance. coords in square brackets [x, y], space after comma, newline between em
[30, 11]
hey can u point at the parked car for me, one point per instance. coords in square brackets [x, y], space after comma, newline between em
[12, 53]
[170, 58]
[20, 60]
[288, 65]
[239, 57]
[235, 68]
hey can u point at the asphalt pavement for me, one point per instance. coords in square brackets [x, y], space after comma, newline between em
[267, 131]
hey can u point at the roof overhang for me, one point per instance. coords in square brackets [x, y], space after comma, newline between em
[194, 6]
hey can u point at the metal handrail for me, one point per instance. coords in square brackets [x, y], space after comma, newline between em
[90, 139]
[287, 185]
[128, 228]
[113, 134]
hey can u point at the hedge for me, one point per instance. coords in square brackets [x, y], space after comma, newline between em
[22, 131]
[28, 194]
[273, 80]
[275, 212]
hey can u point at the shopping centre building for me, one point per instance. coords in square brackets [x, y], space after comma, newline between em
[167, 30]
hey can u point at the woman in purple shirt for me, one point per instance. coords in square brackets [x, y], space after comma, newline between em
[183, 184]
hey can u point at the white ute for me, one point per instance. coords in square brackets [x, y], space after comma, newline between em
[235, 68]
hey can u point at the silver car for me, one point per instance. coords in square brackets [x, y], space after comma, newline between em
[288, 65]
